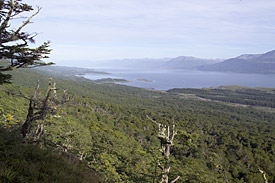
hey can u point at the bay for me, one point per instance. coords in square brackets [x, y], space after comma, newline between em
[164, 79]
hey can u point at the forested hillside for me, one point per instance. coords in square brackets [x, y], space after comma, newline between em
[223, 134]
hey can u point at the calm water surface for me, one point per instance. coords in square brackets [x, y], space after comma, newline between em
[163, 79]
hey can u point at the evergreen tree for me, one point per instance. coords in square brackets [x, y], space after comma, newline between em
[15, 43]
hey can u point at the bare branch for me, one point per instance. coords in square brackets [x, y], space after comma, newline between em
[174, 131]
[175, 180]
[168, 132]
[34, 113]
[28, 21]
[263, 174]
[5, 22]
[152, 120]
[166, 143]
[36, 90]
[159, 124]
[159, 165]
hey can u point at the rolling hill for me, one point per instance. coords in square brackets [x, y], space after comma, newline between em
[247, 63]
[221, 131]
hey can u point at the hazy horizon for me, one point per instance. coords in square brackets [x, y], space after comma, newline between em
[105, 30]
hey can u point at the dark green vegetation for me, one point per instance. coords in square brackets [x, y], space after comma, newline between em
[22, 163]
[106, 125]
[67, 71]
[111, 80]
[145, 80]
[233, 94]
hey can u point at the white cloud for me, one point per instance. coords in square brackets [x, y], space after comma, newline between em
[132, 28]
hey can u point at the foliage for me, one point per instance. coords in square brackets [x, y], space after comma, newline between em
[106, 126]
[247, 96]
[29, 163]
[14, 42]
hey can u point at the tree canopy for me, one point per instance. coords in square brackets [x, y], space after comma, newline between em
[14, 42]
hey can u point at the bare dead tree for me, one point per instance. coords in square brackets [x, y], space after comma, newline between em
[166, 141]
[39, 108]
[263, 175]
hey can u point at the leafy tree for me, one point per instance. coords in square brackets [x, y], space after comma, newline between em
[15, 43]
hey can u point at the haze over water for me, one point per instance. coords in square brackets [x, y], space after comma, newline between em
[163, 79]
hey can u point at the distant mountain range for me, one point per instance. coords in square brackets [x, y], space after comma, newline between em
[247, 63]
[184, 62]
[145, 63]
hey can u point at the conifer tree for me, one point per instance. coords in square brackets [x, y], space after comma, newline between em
[15, 42]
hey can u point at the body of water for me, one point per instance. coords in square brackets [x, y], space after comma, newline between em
[163, 79]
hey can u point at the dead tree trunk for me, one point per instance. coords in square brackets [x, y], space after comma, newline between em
[166, 141]
[30, 116]
[38, 110]
[263, 175]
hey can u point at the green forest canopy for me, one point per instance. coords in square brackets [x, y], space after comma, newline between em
[107, 123]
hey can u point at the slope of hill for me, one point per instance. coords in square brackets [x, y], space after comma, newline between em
[23, 163]
[28, 163]
[248, 63]
[107, 123]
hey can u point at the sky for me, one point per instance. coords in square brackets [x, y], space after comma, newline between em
[92, 30]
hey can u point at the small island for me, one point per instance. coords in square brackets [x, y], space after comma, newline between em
[112, 80]
[145, 80]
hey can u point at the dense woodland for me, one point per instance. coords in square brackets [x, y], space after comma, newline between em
[83, 131]
[224, 134]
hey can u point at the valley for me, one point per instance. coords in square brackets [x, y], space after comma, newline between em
[137, 91]
[221, 130]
